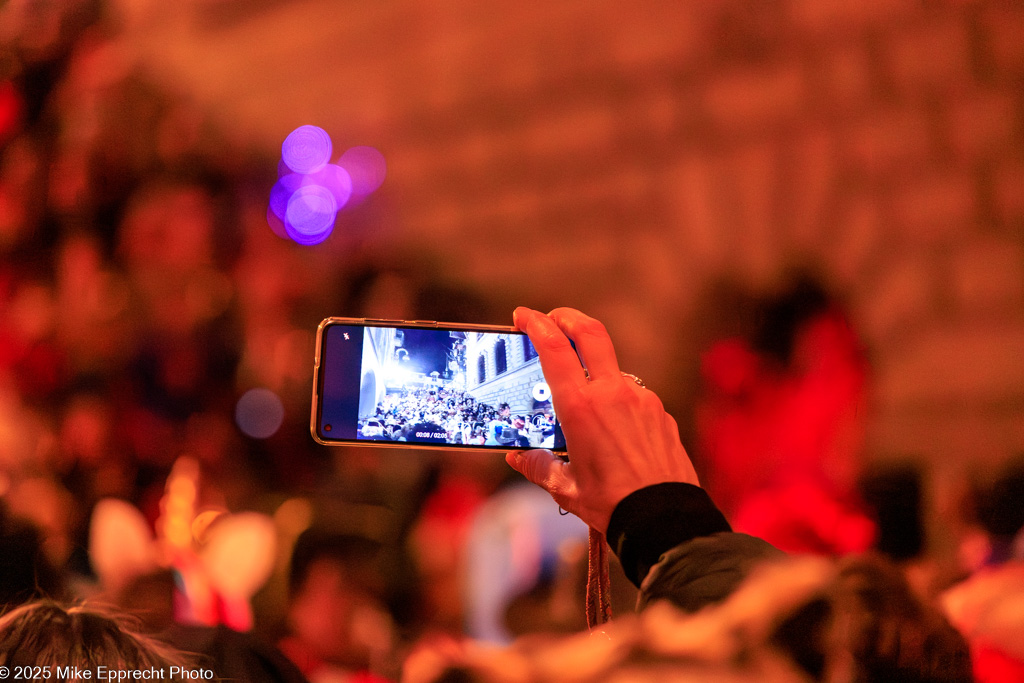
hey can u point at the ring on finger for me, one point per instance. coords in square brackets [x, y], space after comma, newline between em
[639, 382]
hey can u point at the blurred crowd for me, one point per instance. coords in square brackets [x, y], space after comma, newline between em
[142, 294]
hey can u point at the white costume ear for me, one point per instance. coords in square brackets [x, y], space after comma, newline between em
[121, 545]
[239, 554]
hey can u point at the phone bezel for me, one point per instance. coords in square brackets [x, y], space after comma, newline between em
[384, 322]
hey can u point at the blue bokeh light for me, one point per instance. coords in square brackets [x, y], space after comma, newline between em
[282, 191]
[259, 413]
[307, 149]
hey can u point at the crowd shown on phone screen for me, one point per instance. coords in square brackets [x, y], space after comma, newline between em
[448, 415]
[142, 294]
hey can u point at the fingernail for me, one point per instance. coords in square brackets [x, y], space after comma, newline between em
[518, 314]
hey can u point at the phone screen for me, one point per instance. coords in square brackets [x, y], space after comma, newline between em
[437, 386]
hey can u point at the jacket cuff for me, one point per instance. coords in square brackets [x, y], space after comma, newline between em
[655, 519]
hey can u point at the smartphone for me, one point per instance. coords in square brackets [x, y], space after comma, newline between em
[422, 384]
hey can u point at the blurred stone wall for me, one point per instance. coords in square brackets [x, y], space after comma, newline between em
[621, 157]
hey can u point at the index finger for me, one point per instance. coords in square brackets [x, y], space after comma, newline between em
[591, 340]
[562, 369]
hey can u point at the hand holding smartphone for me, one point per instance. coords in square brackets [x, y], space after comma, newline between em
[419, 384]
[621, 436]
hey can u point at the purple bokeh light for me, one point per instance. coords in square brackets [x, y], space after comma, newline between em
[367, 168]
[309, 192]
[305, 240]
[282, 191]
[335, 179]
[307, 149]
[309, 217]
[276, 224]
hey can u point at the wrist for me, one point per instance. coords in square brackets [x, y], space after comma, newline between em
[655, 519]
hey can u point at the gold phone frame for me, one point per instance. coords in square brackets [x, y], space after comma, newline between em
[419, 324]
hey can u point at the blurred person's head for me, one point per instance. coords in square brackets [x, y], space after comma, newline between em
[42, 31]
[90, 455]
[893, 493]
[168, 225]
[1000, 512]
[21, 202]
[51, 508]
[31, 314]
[68, 190]
[149, 598]
[45, 634]
[25, 433]
[856, 619]
[335, 607]
[25, 570]
[890, 632]
[173, 241]
[781, 406]
[86, 429]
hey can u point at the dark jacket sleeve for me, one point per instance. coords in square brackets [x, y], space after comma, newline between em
[674, 544]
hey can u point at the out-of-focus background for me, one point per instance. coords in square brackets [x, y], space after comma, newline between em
[802, 222]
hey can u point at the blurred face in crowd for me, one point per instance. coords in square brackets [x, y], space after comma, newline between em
[166, 243]
[19, 197]
[36, 28]
[170, 228]
[340, 622]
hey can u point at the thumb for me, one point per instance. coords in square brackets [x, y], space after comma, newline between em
[552, 474]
